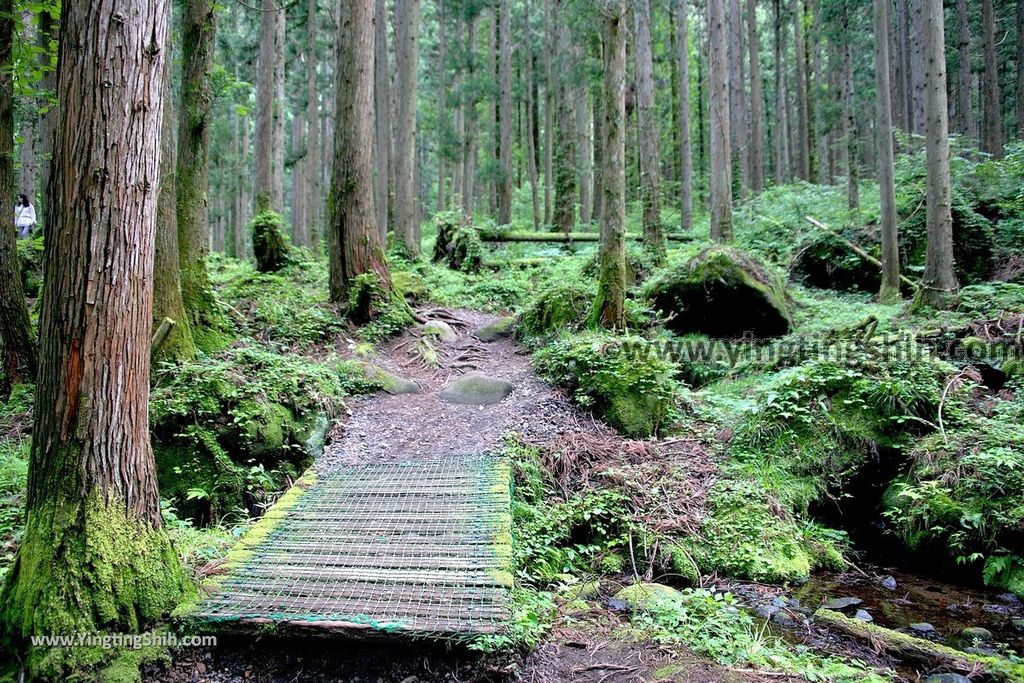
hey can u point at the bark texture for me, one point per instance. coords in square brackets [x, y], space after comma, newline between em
[756, 104]
[407, 50]
[609, 309]
[890, 289]
[314, 202]
[992, 140]
[354, 245]
[93, 556]
[19, 354]
[718, 84]
[964, 109]
[685, 143]
[939, 282]
[505, 112]
[650, 156]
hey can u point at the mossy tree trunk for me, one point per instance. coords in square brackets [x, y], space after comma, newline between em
[939, 282]
[193, 173]
[353, 244]
[718, 83]
[19, 362]
[167, 300]
[890, 289]
[93, 554]
[650, 155]
[505, 112]
[564, 162]
[685, 144]
[609, 305]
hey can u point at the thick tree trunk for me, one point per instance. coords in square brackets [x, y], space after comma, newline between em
[650, 155]
[890, 290]
[19, 355]
[737, 97]
[917, 65]
[531, 109]
[803, 139]
[312, 165]
[469, 119]
[354, 245]
[992, 140]
[442, 108]
[277, 190]
[939, 282]
[585, 152]
[27, 153]
[46, 39]
[901, 58]
[407, 51]
[549, 111]
[1020, 68]
[178, 345]
[193, 175]
[93, 556]
[718, 84]
[299, 218]
[505, 113]
[564, 218]
[242, 204]
[597, 116]
[964, 124]
[756, 105]
[609, 309]
[382, 120]
[265, 96]
[685, 143]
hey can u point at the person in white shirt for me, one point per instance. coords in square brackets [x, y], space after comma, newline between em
[24, 216]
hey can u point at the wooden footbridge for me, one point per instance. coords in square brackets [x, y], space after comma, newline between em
[420, 548]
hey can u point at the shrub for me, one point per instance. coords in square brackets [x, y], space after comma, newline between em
[563, 306]
[634, 392]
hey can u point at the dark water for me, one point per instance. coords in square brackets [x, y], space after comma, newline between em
[916, 599]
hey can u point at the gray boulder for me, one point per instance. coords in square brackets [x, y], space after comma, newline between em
[476, 389]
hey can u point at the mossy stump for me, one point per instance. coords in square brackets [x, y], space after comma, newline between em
[270, 246]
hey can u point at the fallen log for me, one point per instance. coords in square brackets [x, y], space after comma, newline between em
[566, 237]
[918, 651]
[860, 252]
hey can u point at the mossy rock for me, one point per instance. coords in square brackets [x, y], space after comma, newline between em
[746, 536]
[476, 389]
[411, 285]
[650, 597]
[499, 329]
[441, 330]
[826, 262]
[722, 293]
[390, 382]
[563, 306]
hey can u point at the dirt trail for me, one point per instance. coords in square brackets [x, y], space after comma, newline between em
[423, 425]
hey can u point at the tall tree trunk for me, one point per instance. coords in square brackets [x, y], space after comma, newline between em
[780, 100]
[890, 290]
[93, 556]
[49, 26]
[917, 66]
[549, 111]
[265, 102]
[505, 113]
[718, 84]
[939, 282]
[992, 140]
[407, 51]
[964, 124]
[850, 126]
[27, 158]
[609, 306]
[901, 59]
[277, 191]
[1020, 68]
[469, 118]
[737, 97]
[167, 300]
[650, 156]
[242, 223]
[19, 354]
[354, 245]
[565, 144]
[193, 176]
[442, 108]
[312, 176]
[756, 105]
[685, 143]
[382, 120]
[531, 130]
[299, 219]
[493, 154]
[597, 97]
[585, 152]
[803, 140]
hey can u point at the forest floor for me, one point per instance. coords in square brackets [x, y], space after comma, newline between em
[587, 646]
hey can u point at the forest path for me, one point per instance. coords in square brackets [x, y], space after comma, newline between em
[403, 526]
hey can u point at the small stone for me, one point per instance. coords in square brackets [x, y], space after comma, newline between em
[390, 382]
[947, 678]
[863, 615]
[1009, 599]
[766, 611]
[976, 634]
[783, 618]
[839, 604]
[780, 602]
[441, 330]
[1018, 624]
[888, 583]
[476, 389]
[922, 627]
[499, 329]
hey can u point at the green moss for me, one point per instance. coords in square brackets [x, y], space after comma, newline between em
[85, 567]
[634, 391]
[649, 597]
[411, 285]
[721, 292]
[563, 306]
[270, 245]
[382, 312]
